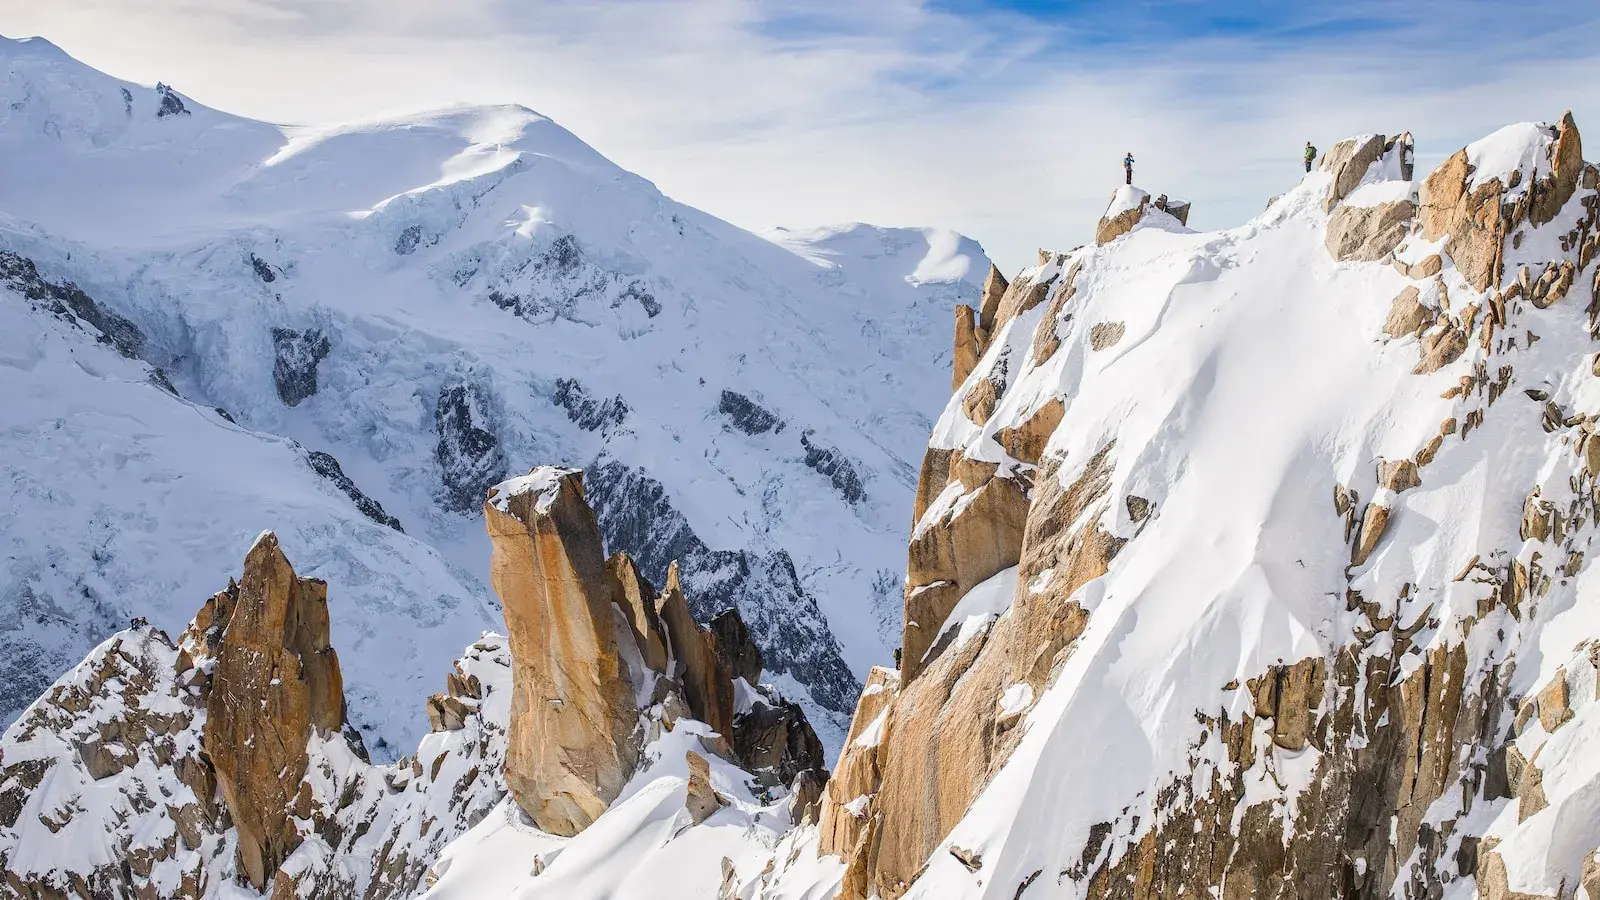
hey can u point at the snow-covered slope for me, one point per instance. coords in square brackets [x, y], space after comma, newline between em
[398, 314]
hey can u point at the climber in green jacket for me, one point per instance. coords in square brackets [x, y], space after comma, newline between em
[1311, 155]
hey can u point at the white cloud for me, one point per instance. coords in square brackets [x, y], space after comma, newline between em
[795, 112]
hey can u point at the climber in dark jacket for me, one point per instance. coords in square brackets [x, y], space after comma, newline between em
[1127, 166]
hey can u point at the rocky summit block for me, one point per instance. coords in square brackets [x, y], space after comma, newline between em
[599, 656]
[574, 739]
[1129, 205]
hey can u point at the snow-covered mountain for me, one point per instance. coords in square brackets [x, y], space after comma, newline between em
[1248, 563]
[211, 325]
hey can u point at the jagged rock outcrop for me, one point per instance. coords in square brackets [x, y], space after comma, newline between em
[1479, 215]
[174, 770]
[275, 682]
[858, 775]
[1348, 161]
[124, 705]
[296, 356]
[585, 411]
[1407, 315]
[747, 415]
[468, 452]
[995, 287]
[773, 741]
[574, 721]
[736, 650]
[556, 281]
[1128, 206]
[696, 665]
[701, 798]
[1368, 233]
[590, 639]
[221, 762]
[171, 103]
[1369, 230]
[832, 464]
[328, 467]
[969, 515]
[638, 601]
[968, 347]
[267, 272]
[68, 302]
[1178, 209]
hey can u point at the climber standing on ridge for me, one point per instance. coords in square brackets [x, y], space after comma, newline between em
[1311, 155]
[1127, 166]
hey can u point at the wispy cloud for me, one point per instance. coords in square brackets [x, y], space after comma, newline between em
[1004, 118]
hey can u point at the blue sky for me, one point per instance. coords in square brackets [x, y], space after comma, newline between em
[1002, 118]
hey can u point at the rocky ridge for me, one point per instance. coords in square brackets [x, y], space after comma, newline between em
[223, 762]
[1400, 737]
[182, 769]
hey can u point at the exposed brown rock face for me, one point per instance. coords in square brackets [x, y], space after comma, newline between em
[805, 798]
[980, 401]
[1479, 222]
[1398, 475]
[127, 703]
[1368, 233]
[959, 550]
[276, 679]
[588, 638]
[1349, 161]
[1022, 295]
[1027, 441]
[1567, 163]
[1113, 227]
[966, 350]
[180, 737]
[707, 684]
[1373, 523]
[1105, 335]
[936, 476]
[994, 288]
[1366, 801]
[637, 599]
[1407, 315]
[1047, 339]
[221, 756]
[1440, 348]
[941, 739]
[1430, 266]
[1471, 218]
[860, 767]
[1178, 209]
[574, 738]
[702, 799]
[1290, 697]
